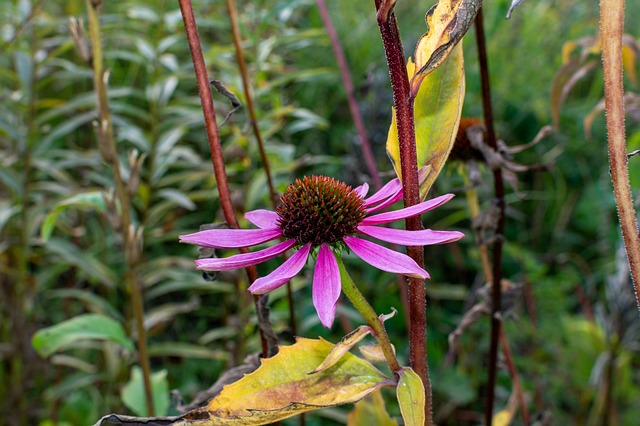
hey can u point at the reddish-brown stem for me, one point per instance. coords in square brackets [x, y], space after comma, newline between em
[369, 158]
[513, 372]
[242, 65]
[273, 195]
[213, 135]
[403, 102]
[611, 28]
[497, 245]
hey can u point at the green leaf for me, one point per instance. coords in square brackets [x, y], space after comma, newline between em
[83, 260]
[91, 200]
[92, 301]
[133, 395]
[186, 350]
[370, 411]
[437, 110]
[411, 397]
[84, 327]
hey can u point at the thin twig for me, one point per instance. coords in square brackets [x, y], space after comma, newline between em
[214, 138]
[242, 65]
[130, 235]
[403, 102]
[474, 211]
[611, 27]
[497, 245]
[365, 145]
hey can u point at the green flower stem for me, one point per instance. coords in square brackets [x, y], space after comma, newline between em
[357, 299]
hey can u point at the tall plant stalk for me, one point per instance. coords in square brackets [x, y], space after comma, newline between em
[474, 211]
[403, 101]
[216, 147]
[496, 289]
[130, 236]
[253, 119]
[611, 28]
[365, 144]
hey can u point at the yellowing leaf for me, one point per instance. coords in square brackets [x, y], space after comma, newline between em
[282, 387]
[502, 418]
[437, 110]
[370, 411]
[447, 22]
[342, 347]
[411, 398]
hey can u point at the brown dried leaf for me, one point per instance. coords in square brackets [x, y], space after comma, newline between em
[447, 22]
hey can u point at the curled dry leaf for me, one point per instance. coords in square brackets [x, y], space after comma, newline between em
[342, 347]
[374, 352]
[511, 294]
[514, 4]
[579, 58]
[447, 22]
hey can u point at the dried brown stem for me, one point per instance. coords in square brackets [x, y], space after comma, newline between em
[369, 158]
[611, 27]
[499, 193]
[273, 195]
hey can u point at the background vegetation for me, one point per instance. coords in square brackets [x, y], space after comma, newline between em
[574, 328]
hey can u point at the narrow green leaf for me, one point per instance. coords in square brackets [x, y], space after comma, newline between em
[92, 301]
[411, 398]
[91, 200]
[83, 260]
[81, 328]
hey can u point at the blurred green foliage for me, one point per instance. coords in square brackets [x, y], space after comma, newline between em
[575, 335]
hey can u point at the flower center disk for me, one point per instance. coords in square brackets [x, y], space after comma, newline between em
[319, 209]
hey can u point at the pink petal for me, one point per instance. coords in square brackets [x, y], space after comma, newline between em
[387, 202]
[265, 219]
[326, 285]
[390, 189]
[385, 259]
[410, 238]
[407, 211]
[283, 273]
[245, 259]
[362, 190]
[231, 238]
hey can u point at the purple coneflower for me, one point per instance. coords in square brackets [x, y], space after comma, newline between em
[323, 214]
